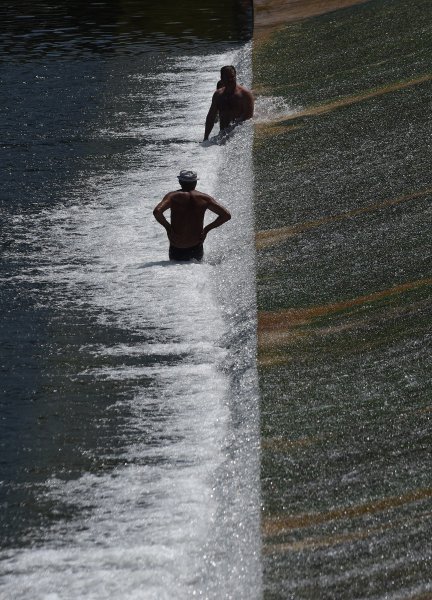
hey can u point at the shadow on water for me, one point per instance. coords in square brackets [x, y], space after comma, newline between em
[156, 263]
[169, 263]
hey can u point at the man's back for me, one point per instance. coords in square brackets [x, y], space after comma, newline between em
[186, 231]
[187, 217]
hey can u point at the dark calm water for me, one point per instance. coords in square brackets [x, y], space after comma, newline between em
[128, 385]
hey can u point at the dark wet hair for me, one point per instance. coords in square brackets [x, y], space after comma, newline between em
[228, 68]
[188, 186]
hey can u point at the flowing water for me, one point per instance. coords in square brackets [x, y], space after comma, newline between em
[129, 423]
[129, 429]
[343, 207]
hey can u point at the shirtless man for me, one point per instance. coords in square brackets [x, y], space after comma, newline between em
[233, 102]
[186, 232]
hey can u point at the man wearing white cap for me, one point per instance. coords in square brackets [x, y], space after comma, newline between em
[186, 231]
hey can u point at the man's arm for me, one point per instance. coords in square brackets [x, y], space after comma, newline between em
[223, 216]
[248, 105]
[159, 210]
[211, 116]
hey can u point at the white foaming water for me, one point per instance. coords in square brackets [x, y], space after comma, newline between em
[182, 521]
[269, 108]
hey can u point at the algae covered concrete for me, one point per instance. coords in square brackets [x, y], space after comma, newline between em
[342, 203]
[273, 13]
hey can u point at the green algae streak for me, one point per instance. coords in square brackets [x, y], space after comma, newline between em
[343, 186]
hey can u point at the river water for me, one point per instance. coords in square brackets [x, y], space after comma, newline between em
[129, 430]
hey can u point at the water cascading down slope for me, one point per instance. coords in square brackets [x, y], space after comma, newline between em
[342, 206]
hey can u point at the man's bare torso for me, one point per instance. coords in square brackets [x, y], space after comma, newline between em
[187, 217]
[187, 207]
[231, 105]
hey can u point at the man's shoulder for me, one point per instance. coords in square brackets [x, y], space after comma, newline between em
[218, 93]
[201, 196]
[244, 90]
[176, 194]
[196, 192]
[182, 195]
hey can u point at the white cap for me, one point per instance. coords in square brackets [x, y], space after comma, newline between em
[186, 175]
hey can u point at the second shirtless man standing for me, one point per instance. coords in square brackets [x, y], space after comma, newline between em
[186, 232]
[233, 102]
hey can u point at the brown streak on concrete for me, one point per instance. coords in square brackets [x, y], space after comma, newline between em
[325, 108]
[273, 526]
[314, 543]
[322, 542]
[273, 360]
[265, 130]
[270, 237]
[322, 109]
[273, 14]
[275, 327]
